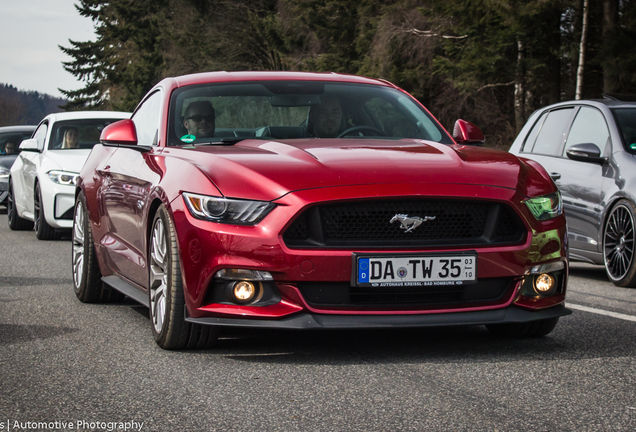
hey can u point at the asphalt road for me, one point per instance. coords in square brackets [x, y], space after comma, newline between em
[96, 367]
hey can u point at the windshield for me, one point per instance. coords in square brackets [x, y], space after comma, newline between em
[626, 121]
[77, 134]
[10, 141]
[296, 109]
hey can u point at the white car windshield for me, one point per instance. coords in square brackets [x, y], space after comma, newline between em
[77, 134]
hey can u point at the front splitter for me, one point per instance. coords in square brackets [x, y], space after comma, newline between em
[306, 321]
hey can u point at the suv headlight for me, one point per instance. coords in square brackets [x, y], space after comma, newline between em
[546, 207]
[4, 173]
[63, 177]
[225, 210]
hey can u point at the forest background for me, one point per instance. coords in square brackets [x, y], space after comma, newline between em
[491, 62]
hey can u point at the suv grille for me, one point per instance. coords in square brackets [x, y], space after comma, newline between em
[368, 224]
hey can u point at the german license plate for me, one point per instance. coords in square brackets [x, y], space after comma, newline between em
[415, 270]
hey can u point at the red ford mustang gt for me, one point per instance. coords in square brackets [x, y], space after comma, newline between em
[306, 200]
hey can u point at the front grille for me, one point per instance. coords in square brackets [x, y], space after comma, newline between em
[368, 224]
[486, 291]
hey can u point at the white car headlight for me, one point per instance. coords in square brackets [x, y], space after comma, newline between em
[63, 177]
[545, 207]
[4, 173]
[225, 210]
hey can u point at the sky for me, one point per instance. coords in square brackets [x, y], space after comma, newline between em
[30, 32]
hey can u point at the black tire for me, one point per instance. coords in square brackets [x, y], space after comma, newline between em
[165, 291]
[87, 278]
[532, 329]
[16, 223]
[43, 231]
[618, 244]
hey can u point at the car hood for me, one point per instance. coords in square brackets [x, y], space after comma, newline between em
[267, 170]
[66, 160]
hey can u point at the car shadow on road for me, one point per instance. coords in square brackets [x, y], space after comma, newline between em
[588, 271]
[17, 333]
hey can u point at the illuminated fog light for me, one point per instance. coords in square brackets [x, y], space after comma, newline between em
[544, 283]
[244, 291]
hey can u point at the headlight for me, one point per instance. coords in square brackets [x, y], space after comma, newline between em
[546, 207]
[4, 173]
[231, 211]
[63, 177]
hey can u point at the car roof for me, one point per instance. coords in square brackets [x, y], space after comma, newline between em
[609, 102]
[211, 77]
[79, 115]
[20, 128]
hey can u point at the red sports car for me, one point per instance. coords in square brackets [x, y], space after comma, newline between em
[313, 200]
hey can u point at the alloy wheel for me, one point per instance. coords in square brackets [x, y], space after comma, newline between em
[37, 210]
[158, 275]
[618, 244]
[78, 245]
[10, 205]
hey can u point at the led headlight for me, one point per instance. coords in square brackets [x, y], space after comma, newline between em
[225, 210]
[63, 177]
[545, 207]
[4, 173]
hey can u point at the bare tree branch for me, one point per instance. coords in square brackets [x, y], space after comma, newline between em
[429, 33]
[495, 85]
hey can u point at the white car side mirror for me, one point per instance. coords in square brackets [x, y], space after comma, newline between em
[29, 145]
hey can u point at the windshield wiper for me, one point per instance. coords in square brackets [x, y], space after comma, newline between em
[222, 141]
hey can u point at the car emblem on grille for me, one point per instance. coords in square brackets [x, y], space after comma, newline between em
[409, 223]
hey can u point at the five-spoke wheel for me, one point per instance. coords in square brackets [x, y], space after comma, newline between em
[87, 278]
[165, 291]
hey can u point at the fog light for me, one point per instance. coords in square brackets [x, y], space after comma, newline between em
[244, 291]
[544, 283]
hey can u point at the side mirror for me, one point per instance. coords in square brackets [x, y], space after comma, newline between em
[30, 144]
[586, 152]
[120, 132]
[467, 133]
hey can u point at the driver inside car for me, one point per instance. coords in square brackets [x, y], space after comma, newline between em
[199, 119]
[326, 118]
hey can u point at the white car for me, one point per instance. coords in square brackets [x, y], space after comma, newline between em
[42, 179]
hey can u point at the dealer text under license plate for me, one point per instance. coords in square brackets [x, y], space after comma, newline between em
[416, 270]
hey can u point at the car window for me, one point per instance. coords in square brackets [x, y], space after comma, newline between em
[40, 134]
[626, 121]
[146, 119]
[589, 126]
[552, 132]
[531, 138]
[394, 121]
[74, 134]
[10, 141]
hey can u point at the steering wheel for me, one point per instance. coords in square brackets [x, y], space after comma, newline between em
[361, 128]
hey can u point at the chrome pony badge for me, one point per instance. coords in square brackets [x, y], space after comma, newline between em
[410, 223]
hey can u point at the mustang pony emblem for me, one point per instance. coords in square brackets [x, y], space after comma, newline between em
[410, 223]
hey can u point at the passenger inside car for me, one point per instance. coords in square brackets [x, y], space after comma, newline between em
[325, 119]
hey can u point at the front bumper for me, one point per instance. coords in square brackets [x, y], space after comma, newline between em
[307, 321]
[206, 247]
